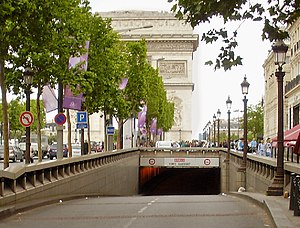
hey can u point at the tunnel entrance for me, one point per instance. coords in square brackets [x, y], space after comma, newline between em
[183, 181]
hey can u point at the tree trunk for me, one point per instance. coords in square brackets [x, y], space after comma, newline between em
[89, 135]
[5, 115]
[39, 135]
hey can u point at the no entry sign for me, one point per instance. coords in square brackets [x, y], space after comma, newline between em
[26, 118]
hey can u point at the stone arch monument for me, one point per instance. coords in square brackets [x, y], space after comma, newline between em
[170, 47]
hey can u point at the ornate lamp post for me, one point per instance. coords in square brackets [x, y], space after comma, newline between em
[245, 87]
[228, 104]
[214, 120]
[27, 77]
[280, 49]
[218, 133]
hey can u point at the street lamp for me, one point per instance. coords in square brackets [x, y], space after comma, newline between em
[218, 116]
[214, 119]
[245, 86]
[280, 49]
[228, 104]
[27, 77]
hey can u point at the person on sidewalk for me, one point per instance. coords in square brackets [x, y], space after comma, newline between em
[261, 148]
[268, 148]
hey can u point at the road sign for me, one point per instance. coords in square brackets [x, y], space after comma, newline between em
[81, 117]
[81, 125]
[110, 130]
[26, 118]
[60, 119]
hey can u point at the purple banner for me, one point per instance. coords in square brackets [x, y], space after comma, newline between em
[159, 131]
[142, 117]
[49, 99]
[153, 126]
[123, 83]
[71, 101]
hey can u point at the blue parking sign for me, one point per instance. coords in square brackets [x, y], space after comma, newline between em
[81, 117]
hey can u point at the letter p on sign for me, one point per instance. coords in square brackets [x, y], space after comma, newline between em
[81, 117]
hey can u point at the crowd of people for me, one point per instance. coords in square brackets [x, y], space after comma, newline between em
[261, 147]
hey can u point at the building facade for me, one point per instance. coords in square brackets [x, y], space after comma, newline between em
[170, 47]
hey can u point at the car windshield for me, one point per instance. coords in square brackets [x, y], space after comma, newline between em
[54, 146]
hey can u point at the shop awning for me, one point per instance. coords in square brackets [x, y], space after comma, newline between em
[290, 137]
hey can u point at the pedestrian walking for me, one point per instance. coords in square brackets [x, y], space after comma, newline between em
[268, 148]
[253, 145]
[261, 148]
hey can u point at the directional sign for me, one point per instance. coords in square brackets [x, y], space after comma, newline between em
[26, 118]
[110, 130]
[60, 119]
[81, 117]
[81, 125]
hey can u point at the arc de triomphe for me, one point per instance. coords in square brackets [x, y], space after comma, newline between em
[170, 47]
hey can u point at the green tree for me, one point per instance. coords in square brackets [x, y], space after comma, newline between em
[49, 37]
[15, 108]
[255, 121]
[275, 15]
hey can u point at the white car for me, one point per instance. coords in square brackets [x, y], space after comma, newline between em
[164, 144]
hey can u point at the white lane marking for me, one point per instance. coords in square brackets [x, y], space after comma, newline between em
[130, 222]
[141, 211]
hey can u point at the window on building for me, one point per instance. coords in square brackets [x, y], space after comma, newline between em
[295, 115]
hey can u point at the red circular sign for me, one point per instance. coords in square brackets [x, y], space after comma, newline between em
[151, 161]
[26, 118]
[207, 161]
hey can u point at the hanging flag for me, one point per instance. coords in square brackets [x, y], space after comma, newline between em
[123, 83]
[159, 131]
[70, 101]
[142, 117]
[49, 98]
[83, 59]
[143, 131]
[153, 126]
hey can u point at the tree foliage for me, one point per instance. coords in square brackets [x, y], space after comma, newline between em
[276, 15]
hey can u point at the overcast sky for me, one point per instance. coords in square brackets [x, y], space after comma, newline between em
[213, 87]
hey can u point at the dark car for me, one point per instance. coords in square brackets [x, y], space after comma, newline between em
[53, 151]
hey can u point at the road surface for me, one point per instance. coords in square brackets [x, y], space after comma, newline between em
[188, 211]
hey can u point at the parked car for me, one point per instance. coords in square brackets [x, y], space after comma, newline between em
[33, 147]
[15, 153]
[53, 151]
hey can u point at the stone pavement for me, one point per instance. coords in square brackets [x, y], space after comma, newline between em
[276, 206]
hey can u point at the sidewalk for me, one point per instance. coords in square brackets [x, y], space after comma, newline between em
[277, 206]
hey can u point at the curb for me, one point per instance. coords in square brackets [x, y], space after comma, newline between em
[278, 217]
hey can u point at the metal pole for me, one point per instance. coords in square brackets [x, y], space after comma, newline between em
[245, 134]
[228, 138]
[214, 133]
[218, 132]
[60, 127]
[27, 133]
[279, 74]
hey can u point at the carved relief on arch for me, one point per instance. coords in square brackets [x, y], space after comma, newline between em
[172, 68]
[178, 107]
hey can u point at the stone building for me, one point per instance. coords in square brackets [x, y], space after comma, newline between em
[170, 47]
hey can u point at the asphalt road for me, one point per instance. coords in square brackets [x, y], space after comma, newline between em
[190, 211]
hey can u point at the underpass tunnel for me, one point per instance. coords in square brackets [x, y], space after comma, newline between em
[179, 181]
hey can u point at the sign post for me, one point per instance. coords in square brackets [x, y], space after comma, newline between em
[82, 122]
